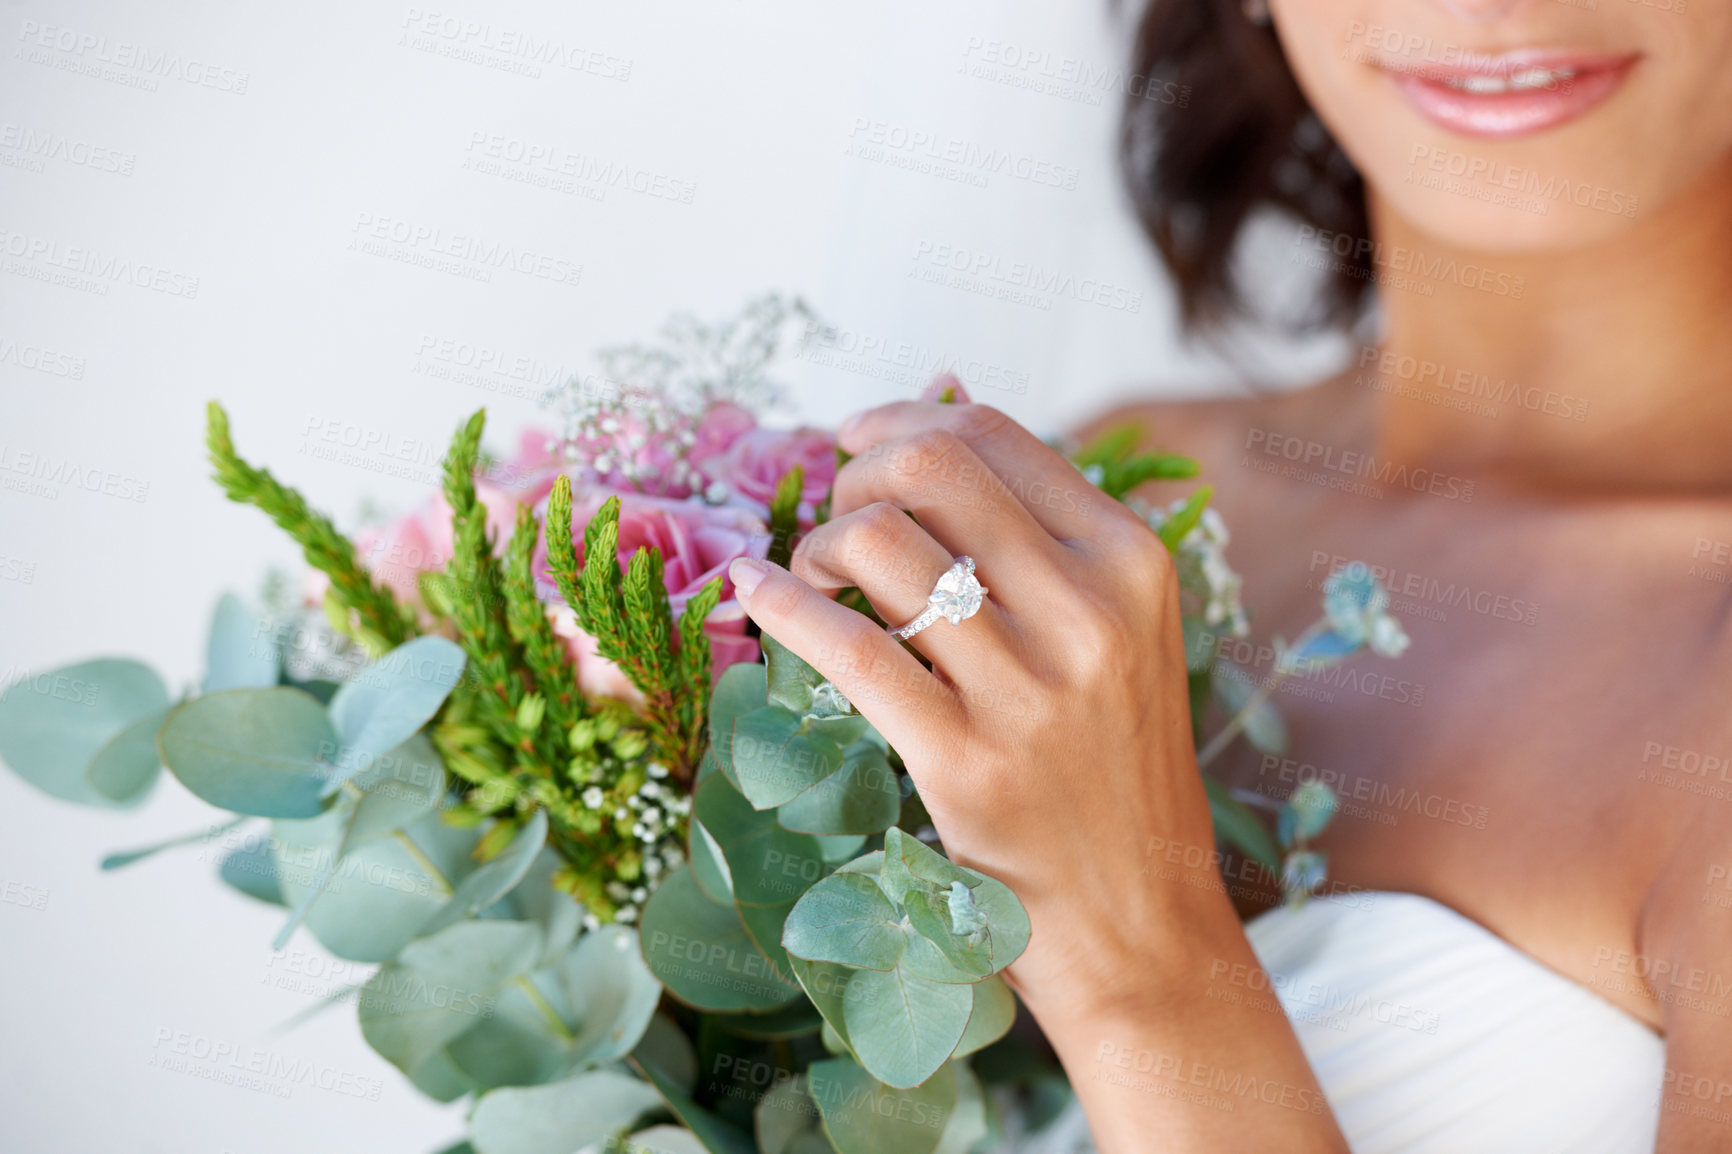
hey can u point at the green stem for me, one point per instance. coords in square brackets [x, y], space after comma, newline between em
[425, 862]
[554, 1021]
[1236, 724]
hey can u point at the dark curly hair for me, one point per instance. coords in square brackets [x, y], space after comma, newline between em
[1243, 137]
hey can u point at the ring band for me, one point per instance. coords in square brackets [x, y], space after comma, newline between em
[955, 598]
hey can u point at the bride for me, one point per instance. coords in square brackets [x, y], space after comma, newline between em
[1527, 204]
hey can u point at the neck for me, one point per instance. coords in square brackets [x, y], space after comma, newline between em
[1612, 369]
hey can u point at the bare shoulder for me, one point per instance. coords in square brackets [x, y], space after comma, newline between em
[1213, 428]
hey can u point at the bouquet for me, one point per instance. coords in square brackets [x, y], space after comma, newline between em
[634, 877]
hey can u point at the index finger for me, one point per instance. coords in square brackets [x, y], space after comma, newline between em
[895, 692]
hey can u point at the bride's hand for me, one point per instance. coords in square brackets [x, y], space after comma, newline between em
[1051, 740]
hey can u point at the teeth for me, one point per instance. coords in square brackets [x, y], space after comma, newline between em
[1523, 81]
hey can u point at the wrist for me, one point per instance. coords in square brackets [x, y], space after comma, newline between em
[1133, 949]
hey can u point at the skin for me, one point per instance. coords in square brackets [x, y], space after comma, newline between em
[1050, 740]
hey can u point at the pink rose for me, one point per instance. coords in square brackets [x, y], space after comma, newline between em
[758, 459]
[696, 542]
[421, 542]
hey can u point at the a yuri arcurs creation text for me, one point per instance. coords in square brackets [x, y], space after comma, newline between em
[633, 877]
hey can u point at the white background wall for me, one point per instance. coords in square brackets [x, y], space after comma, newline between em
[246, 161]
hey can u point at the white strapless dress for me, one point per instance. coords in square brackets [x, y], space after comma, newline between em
[1432, 1035]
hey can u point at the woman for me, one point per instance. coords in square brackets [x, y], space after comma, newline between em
[1528, 947]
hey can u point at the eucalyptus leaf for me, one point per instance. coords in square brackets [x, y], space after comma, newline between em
[387, 703]
[826, 987]
[718, 1136]
[665, 1047]
[864, 797]
[252, 870]
[556, 912]
[53, 725]
[789, 679]
[908, 865]
[560, 1117]
[770, 866]
[845, 919]
[709, 867]
[1237, 826]
[864, 1116]
[254, 751]
[775, 759]
[1237, 692]
[701, 952]
[903, 1028]
[740, 689]
[662, 1140]
[993, 1014]
[400, 787]
[492, 880]
[785, 1114]
[967, 1124]
[1306, 813]
[442, 986]
[837, 850]
[127, 765]
[969, 953]
[242, 650]
[381, 891]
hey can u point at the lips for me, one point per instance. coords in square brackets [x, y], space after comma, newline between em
[1512, 94]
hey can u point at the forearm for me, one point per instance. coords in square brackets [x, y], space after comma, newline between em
[1169, 1049]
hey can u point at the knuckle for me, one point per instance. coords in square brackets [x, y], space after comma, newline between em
[925, 452]
[980, 422]
[874, 534]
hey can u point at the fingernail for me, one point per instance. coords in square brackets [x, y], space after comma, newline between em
[746, 573]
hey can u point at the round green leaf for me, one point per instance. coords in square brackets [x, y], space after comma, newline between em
[388, 702]
[242, 651]
[902, 1027]
[54, 724]
[848, 920]
[561, 1117]
[400, 787]
[124, 769]
[709, 867]
[494, 879]
[665, 1049]
[993, 1014]
[774, 761]
[381, 891]
[701, 952]
[442, 986]
[740, 689]
[863, 1116]
[967, 1124]
[253, 751]
[664, 1140]
[863, 797]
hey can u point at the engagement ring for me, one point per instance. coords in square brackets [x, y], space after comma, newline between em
[955, 598]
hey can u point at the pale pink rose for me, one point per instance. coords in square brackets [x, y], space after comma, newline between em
[696, 542]
[421, 542]
[759, 458]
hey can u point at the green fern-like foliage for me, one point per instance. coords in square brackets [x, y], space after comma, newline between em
[631, 619]
[366, 610]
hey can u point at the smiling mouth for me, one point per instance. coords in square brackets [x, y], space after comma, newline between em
[1512, 94]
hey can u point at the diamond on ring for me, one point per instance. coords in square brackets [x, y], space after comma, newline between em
[955, 598]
